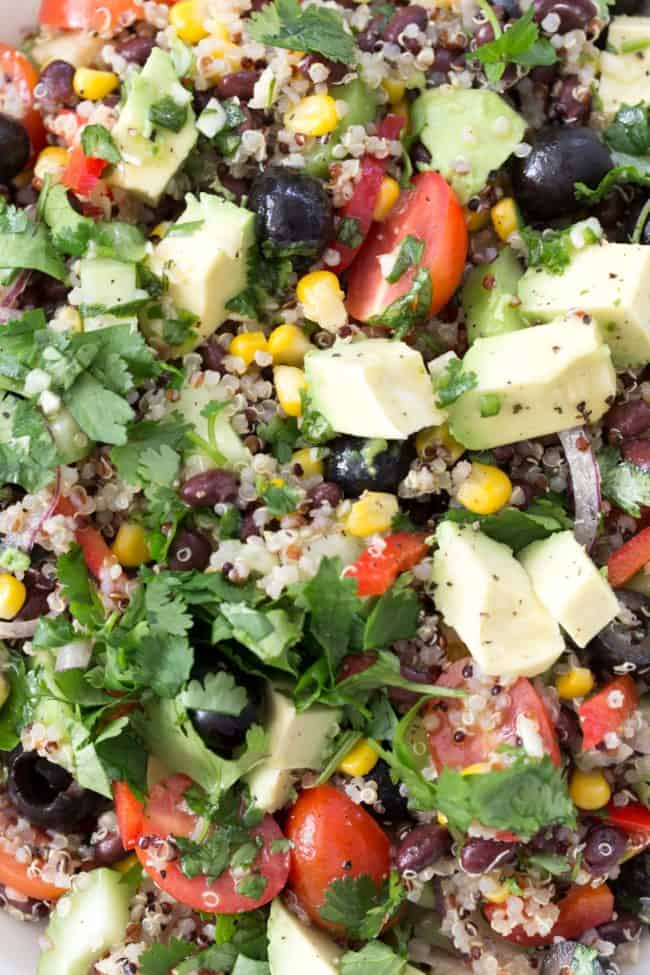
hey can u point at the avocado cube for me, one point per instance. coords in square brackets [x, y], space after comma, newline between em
[625, 75]
[489, 297]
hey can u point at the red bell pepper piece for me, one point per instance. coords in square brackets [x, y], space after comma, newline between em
[376, 571]
[82, 173]
[633, 818]
[130, 815]
[629, 558]
[606, 711]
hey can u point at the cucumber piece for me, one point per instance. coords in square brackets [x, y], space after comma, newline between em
[71, 442]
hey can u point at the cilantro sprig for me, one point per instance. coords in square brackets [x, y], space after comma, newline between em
[360, 905]
[519, 44]
[317, 30]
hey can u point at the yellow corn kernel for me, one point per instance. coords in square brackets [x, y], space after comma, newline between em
[322, 299]
[247, 344]
[442, 819]
[289, 383]
[277, 482]
[12, 596]
[504, 217]
[371, 514]
[187, 20]
[288, 345]
[578, 682]
[130, 545]
[313, 115]
[308, 461]
[123, 866]
[160, 230]
[499, 895]
[388, 196]
[431, 438]
[67, 319]
[395, 89]
[589, 790]
[478, 768]
[94, 85]
[360, 760]
[51, 162]
[476, 219]
[486, 490]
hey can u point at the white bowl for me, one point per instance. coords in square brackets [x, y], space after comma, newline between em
[19, 942]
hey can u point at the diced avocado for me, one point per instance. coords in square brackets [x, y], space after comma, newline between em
[86, 923]
[489, 297]
[536, 382]
[191, 403]
[150, 158]
[486, 595]
[570, 586]
[610, 282]
[106, 284]
[205, 259]
[625, 64]
[362, 108]
[469, 132]
[372, 388]
[295, 740]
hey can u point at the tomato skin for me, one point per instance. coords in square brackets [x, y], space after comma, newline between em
[375, 573]
[129, 812]
[82, 173]
[598, 718]
[477, 748]
[332, 838]
[87, 14]
[629, 558]
[15, 67]
[581, 909]
[633, 818]
[14, 874]
[95, 550]
[431, 212]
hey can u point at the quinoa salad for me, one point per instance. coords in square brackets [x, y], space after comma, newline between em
[325, 505]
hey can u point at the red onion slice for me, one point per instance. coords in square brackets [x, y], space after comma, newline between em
[56, 494]
[585, 481]
[14, 291]
[18, 629]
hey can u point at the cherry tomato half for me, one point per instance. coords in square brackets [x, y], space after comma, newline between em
[629, 559]
[96, 552]
[332, 838]
[89, 14]
[606, 710]
[20, 79]
[14, 874]
[375, 572]
[430, 212]
[480, 747]
[129, 814]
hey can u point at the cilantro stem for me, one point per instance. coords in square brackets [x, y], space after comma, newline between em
[640, 223]
[491, 17]
[206, 448]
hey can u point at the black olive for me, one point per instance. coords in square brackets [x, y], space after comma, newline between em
[625, 646]
[294, 212]
[225, 732]
[568, 957]
[15, 147]
[544, 182]
[46, 794]
[391, 806]
[634, 878]
[359, 465]
[626, 7]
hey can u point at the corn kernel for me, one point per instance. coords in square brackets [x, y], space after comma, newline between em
[289, 383]
[388, 196]
[589, 790]
[322, 300]
[360, 760]
[123, 866]
[130, 545]
[578, 682]
[499, 895]
[288, 345]
[486, 490]
[51, 162]
[478, 768]
[277, 482]
[308, 461]
[12, 596]
[313, 115]
[371, 514]
[187, 20]
[161, 229]
[430, 438]
[247, 344]
[476, 219]
[504, 217]
[395, 89]
[94, 85]
[442, 819]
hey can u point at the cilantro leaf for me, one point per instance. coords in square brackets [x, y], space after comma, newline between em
[520, 44]
[14, 712]
[160, 959]
[630, 130]
[28, 455]
[517, 528]
[627, 169]
[124, 759]
[454, 382]
[282, 436]
[394, 617]
[360, 905]
[385, 672]
[334, 607]
[406, 766]
[375, 957]
[349, 233]
[217, 692]
[101, 413]
[553, 249]
[72, 573]
[280, 500]
[168, 114]
[622, 483]
[209, 858]
[140, 468]
[215, 958]
[164, 663]
[268, 633]
[70, 231]
[98, 142]
[409, 309]
[25, 244]
[409, 255]
[317, 30]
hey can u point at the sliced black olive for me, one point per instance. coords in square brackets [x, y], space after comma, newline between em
[624, 646]
[46, 794]
[15, 147]
[391, 806]
[561, 156]
[294, 212]
[634, 878]
[223, 733]
[359, 465]
[571, 958]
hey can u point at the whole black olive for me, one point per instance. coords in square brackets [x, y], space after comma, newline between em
[544, 182]
[46, 794]
[359, 465]
[634, 878]
[391, 806]
[225, 732]
[570, 956]
[294, 212]
[15, 147]
[625, 645]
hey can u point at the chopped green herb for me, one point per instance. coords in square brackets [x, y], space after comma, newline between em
[490, 404]
[454, 382]
[168, 114]
[349, 233]
[318, 30]
[98, 142]
[520, 44]
[360, 905]
[409, 255]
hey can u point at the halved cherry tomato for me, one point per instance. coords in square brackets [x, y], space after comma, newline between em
[376, 571]
[629, 558]
[366, 193]
[129, 812]
[14, 874]
[431, 212]
[606, 711]
[89, 14]
[82, 173]
[164, 817]
[633, 818]
[582, 909]
[332, 838]
[21, 76]
[480, 747]
[97, 554]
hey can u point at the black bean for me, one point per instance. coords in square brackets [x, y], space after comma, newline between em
[209, 488]
[188, 551]
[38, 588]
[369, 39]
[571, 103]
[573, 14]
[481, 856]
[629, 419]
[626, 927]
[391, 806]
[237, 84]
[212, 355]
[604, 847]
[327, 492]
[135, 50]
[55, 85]
[420, 154]
[401, 19]
[109, 850]
[337, 71]
[421, 847]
